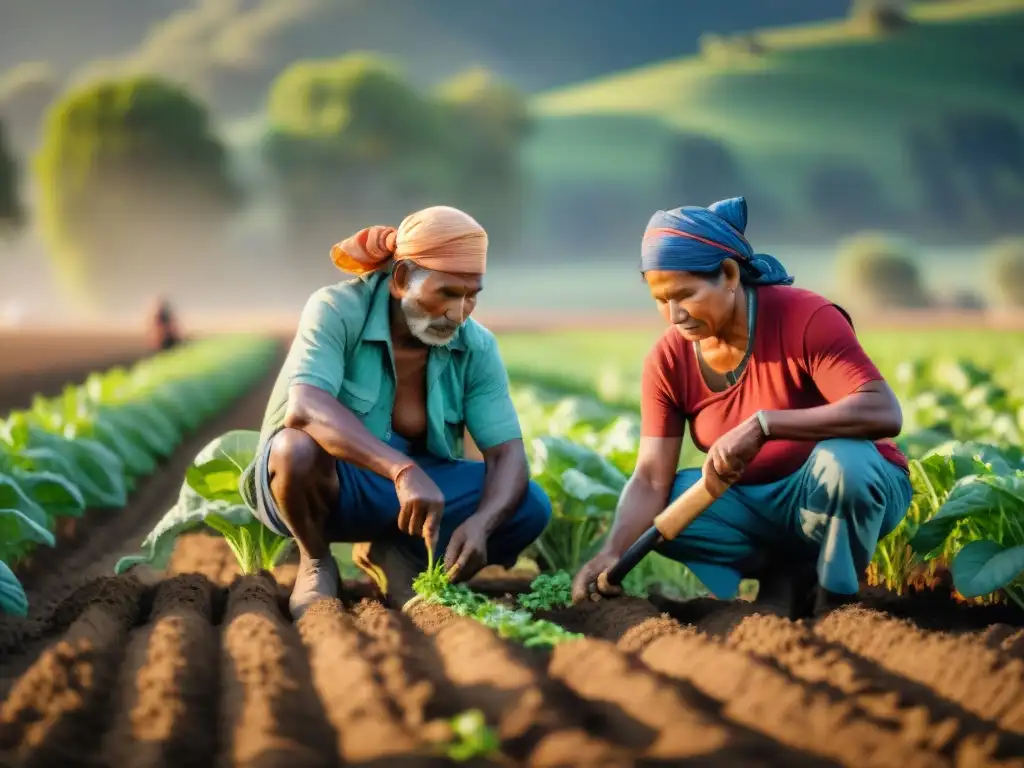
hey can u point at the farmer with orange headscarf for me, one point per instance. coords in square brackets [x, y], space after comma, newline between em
[362, 438]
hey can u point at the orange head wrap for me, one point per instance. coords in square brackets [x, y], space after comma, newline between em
[440, 238]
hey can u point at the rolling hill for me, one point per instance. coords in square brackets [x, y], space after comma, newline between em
[783, 103]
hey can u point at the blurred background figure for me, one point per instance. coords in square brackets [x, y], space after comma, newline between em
[162, 327]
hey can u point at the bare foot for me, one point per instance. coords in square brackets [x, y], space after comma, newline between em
[317, 579]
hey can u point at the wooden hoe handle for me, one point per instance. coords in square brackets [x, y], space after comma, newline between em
[669, 523]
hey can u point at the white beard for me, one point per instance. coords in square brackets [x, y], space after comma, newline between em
[421, 325]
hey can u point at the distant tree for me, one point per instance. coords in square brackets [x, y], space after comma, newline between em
[1006, 266]
[351, 144]
[11, 214]
[881, 15]
[25, 94]
[877, 271]
[134, 189]
[485, 122]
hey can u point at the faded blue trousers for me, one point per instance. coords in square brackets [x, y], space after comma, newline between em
[834, 510]
[367, 508]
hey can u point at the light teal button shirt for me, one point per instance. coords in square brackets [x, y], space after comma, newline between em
[343, 346]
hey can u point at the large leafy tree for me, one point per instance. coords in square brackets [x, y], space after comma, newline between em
[486, 121]
[352, 143]
[879, 272]
[134, 189]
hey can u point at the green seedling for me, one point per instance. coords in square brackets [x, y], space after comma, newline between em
[471, 738]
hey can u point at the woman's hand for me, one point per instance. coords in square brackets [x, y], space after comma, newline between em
[730, 454]
[592, 581]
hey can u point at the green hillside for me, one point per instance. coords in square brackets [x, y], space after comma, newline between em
[784, 101]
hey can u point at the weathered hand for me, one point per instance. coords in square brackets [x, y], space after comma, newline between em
[730, 454]
[421, 504]
[467, 550]
[591, 580]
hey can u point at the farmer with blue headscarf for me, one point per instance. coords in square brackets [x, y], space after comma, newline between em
[794, 417]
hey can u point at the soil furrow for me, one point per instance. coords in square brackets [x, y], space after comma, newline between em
[766, 700]
[985, 681]
[270, 714]
[107, 534]
[368, 727]
[628, 622]
[168, 693]
[403, 658]
[58, 710]
[1005, 638]
[657, 718]
[535, 720]
[912, 711]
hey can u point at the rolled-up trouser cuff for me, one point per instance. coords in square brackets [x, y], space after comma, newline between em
[266, 510]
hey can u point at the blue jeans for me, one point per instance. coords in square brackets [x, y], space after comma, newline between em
[834, 509]
[367, 508]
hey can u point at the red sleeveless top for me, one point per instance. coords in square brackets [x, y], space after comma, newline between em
[805, 354]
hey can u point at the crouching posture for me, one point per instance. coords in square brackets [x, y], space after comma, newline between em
[363, 436]
[793, 415]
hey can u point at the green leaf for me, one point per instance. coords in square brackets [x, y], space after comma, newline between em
[582, 488]
[57, 495]
[973, 458]
[97, 471]
[984, 566]
[12, 497]
[240, 536]
[137, 459]
[190, 511]
[18, 529]
[973, 496]
[552, 456]
[217, 469]
[13, 600]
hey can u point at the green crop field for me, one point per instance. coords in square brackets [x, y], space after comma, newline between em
[829, 90]
[610, 362]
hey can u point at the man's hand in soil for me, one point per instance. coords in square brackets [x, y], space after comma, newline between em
[421, 503]
[591, 582]
[467, 550]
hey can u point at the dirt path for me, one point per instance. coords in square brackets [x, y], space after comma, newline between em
[43, 363]
[203, 667]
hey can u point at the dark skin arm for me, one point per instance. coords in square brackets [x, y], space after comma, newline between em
[506, 477]
[645, 495]
[341, 434]
[872, 412]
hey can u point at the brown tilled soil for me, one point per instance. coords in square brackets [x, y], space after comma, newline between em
[201, 666]
[43, 363]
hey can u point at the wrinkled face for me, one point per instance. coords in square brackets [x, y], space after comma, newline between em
[699, 306]
[435, 304]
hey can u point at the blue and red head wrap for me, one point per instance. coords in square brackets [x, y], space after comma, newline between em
[695, 239]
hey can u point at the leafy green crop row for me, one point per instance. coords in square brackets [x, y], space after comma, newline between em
[962, 432]
[210, 496]
[517, 624]
[967, 508]
[88, 447]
